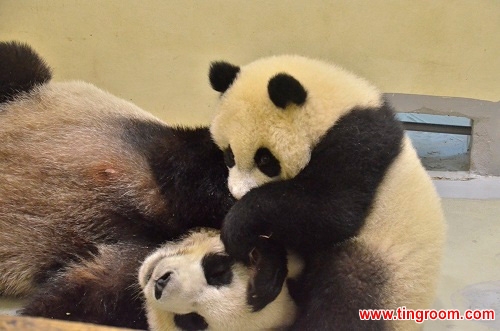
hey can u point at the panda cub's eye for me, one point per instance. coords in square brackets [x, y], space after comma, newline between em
[229, 157]
[218, 269]
[267, 163]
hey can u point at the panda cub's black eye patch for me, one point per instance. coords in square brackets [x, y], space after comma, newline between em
[218, 269]
[266, 162]
[229, 157]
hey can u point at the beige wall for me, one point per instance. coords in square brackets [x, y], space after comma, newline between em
[156, 53]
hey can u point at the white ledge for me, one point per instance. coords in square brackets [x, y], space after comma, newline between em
[463, 185]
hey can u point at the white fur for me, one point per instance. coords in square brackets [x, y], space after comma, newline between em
[240, 182]
[224, 307]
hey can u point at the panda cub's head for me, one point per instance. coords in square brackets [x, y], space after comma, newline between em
[273, 112]
[192, 284]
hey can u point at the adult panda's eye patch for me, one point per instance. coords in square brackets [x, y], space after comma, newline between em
[218, 269]
[229, 157]
[266, 162]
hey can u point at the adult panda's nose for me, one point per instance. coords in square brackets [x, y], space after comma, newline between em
[160, 284]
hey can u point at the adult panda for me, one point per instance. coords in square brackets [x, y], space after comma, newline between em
[321, 165]
[89, 185]
[192, 284]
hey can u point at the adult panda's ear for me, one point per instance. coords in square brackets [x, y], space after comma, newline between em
[21, 69]
[222, 75]
[284, 89]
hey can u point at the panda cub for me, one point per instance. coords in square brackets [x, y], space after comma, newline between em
[192, 284]
[321, 166]
[90, 184]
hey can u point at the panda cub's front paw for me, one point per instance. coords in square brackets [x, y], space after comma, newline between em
[240, 236]
[269, 263]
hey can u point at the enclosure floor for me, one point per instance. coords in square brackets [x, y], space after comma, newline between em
[470, 277]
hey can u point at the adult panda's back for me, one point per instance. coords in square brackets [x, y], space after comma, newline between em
[59, 123]
[60, 165]
[64, 138]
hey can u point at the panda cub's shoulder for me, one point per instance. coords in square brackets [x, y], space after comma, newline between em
[192, 284]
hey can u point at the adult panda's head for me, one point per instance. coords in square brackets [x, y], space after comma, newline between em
[193, 284]
[273, 112]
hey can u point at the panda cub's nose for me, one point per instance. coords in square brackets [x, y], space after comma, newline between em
[160, 284]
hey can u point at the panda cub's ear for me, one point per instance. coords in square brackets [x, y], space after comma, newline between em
[222, 75]
[284, 89]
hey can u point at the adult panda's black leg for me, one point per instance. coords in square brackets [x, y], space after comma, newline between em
[340, 282]
[101, 290]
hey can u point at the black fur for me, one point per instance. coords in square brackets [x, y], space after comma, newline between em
[222, 75]
[101, 290]
[283, 89]
[229, 157]
[266, 162]
[21, 69]
[217, 269]
[190, 171]
[269, 259]
[328, 201]
[352, 280]
[76, 251]
[190, 322]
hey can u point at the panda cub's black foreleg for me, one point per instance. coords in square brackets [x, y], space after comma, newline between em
[302, 218]
[328, 201]
[269, 259]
